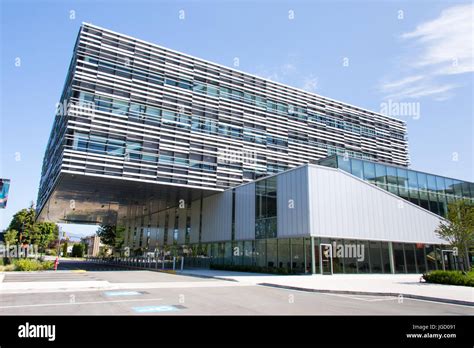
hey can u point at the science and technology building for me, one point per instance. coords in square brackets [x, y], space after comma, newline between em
[195, 158]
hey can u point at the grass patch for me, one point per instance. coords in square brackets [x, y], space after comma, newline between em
[450, 278]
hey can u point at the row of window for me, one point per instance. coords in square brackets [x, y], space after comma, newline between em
[431, 192]
[204, 125]
[233, 94]
[295, 254]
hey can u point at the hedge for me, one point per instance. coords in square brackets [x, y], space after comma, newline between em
[32, 265]
[450, 277]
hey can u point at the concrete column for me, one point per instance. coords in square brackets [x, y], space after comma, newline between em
[391, 258]
[313, 256]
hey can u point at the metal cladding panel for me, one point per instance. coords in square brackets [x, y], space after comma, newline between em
[245, 212]
[195, 220]
[153, 230]
[161, 227]
[182, 214]
[344, 206]
[217, 217]
[292, 203]
[171, 219]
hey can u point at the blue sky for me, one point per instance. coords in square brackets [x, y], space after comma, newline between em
[365, 53]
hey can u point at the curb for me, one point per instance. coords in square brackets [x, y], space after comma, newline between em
[137, 268]
[184, 273]
[391, 294]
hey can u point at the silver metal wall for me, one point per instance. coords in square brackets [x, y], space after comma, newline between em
[182, 213]
[217, 217]
[245, 212]
[195, 220]
[292, 203]
[161, 227]
[344, 206]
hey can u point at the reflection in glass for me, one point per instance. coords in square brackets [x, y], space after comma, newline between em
[375, 257]
[399, 258]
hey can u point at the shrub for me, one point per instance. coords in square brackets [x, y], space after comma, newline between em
[77, 250]
[51, 252]
[32, 265]
[450, 277]
[8, 268]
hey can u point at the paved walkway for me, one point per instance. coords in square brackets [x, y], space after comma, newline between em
[376, 284]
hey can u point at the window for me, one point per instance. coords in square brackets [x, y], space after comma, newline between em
[119, 107]
[136, 110]
[420, 257]
[399, 258]
[375, 257]
[133, 150]
[410, 258]
[115, 147]
[97, 144]
[212, 91]
[380, 176]
[80, 142]
[266, 208]
[103, 103]
[369, 172]
[153, 112]
[356, 168]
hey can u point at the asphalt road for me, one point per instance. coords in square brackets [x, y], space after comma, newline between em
[185, 295]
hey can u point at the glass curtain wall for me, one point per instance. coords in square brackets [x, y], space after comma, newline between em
[429, 191]
[266, 208]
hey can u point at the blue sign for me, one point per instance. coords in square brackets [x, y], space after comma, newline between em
[4, 187]
[122, 293]
[154, 309]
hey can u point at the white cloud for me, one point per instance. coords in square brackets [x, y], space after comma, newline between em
[289, 73]
[424, 90]
[443, 48]
[401, 83]
[447, 40]
[310, 84]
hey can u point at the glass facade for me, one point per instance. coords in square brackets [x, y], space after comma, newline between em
[431, 192]
[294, 255]
[266, 208]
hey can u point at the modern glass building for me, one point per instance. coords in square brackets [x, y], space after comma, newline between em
[196, 158]
[131, 110]
[290, 222]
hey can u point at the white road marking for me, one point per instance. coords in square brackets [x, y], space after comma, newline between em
[79, 303]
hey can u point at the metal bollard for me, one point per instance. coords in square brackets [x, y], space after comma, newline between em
[182, 262]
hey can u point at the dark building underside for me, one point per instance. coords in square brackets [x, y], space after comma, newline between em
[90, 199]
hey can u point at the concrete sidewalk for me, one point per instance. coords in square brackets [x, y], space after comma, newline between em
[407, 285]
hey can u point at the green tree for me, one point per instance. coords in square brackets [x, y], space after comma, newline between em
[24, 222]
[78, 250]
[112, 236]
[48, 232]
[459, 231]
[64, 249]
[11, 237]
